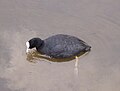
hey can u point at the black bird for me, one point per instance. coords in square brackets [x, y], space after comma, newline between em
[58, 46]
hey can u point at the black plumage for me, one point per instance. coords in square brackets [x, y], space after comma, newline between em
[60, 46]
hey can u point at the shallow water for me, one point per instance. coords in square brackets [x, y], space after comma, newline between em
[95, 22]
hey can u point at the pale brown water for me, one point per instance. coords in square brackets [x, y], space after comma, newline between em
[97, 22]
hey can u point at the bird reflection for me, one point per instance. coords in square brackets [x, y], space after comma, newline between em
[33, 55]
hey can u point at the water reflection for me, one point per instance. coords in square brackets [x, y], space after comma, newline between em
[34, 55]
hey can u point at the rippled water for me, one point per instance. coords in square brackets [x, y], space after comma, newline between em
[95, 22]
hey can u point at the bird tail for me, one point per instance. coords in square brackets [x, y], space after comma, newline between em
[88, 48]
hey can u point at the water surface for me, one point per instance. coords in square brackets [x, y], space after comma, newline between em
[95, 22]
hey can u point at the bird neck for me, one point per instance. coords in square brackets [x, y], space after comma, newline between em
[40, 45]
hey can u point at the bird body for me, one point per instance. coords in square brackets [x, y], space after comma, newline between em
[59, 46]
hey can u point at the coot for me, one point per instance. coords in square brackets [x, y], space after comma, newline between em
[58, 46]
